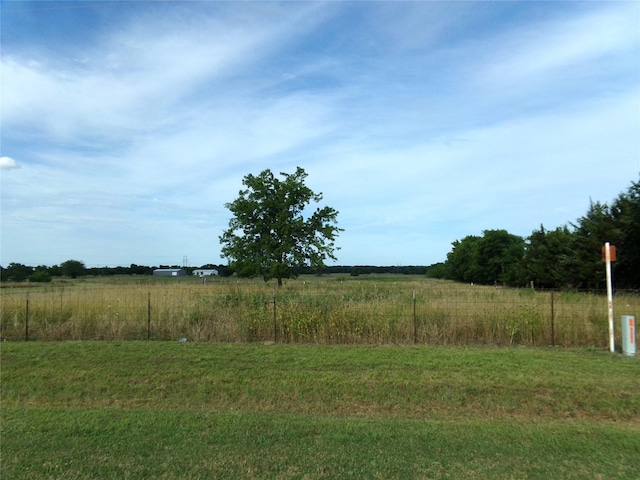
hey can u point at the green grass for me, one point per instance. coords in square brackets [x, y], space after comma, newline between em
[108, 443]
[169, 410]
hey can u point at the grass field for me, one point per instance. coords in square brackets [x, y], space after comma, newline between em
[375, 309]
[138, 410]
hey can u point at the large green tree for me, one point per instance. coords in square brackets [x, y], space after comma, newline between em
[591, 232]
[494, 257]
[462, 260]
[626, 213]
[271, 234]
[499, 257]
[16, 272]
[547, 257]
[73, 268]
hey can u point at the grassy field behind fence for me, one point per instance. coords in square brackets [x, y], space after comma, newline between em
[139, 410]
[383, 309]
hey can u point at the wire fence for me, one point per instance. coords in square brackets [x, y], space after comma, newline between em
[378, 314]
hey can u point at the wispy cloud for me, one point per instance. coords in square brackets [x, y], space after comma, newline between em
[420, 122]
[551, 49]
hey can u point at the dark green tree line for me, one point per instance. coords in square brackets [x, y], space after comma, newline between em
[568, 256]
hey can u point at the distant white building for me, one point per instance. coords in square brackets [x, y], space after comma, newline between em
[169, 272]
[205, 273]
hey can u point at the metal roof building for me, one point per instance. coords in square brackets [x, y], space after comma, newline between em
[169, 272]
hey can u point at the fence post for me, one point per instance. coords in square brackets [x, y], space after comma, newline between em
[415, 320]
[275, 324]
[26, 320]
[148, 315]
[553, 323]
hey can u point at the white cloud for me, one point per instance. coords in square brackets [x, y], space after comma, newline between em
[422, 140]
[138, 76]
[561, 50]
[8, 163]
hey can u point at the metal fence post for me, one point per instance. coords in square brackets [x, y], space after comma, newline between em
[275, 324]
[415, 320]
[26, 320]
[149, 316]
[553, 323]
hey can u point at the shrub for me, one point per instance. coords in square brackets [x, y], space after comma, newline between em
[40, 276]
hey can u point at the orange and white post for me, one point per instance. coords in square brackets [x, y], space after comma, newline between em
[609, 255]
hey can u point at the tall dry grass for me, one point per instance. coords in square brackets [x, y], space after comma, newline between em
[323, 310]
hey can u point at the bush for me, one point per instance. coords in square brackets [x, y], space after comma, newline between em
[40, 276]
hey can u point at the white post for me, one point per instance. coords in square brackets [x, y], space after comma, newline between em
[607, 253]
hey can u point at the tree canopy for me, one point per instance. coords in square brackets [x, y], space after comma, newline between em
[494, 257]
[73, 268]
[269, 234]
[569, 256]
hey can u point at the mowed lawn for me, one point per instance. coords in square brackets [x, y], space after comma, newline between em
[139, 410]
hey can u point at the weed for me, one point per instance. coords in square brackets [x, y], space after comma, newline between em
[374, 310]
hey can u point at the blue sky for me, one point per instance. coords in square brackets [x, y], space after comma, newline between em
[126, 126]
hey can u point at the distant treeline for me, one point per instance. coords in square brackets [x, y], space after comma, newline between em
[566, 257]
[18, 272]
[368, 269]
